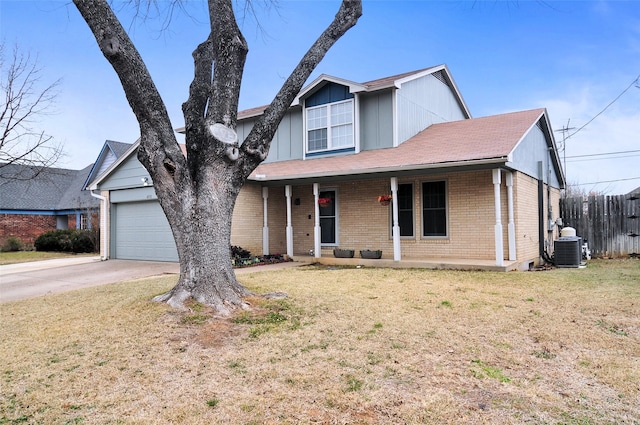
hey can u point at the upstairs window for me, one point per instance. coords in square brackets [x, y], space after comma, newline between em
[330, 126]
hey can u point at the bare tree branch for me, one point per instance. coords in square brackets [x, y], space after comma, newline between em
[259, 139]
[24, 102]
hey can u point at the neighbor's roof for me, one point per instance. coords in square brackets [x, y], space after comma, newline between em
[48, 189]
[457, 143]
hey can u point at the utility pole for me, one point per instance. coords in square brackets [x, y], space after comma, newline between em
[565, 130]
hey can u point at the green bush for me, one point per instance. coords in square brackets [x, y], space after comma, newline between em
[66, 241]
[12, 244]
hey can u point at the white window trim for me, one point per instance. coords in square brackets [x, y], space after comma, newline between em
[446, 209]
[354, 128]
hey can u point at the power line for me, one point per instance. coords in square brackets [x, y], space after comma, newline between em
[602, 154]
[608, 181]
[606, 107]
[601, 159]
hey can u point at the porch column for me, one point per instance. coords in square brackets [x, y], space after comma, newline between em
[287, 194]
[397, 255]
[265, 222]
[316, 226]
[511, 227]
[498, 225]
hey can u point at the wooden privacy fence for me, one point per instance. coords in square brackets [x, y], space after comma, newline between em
[610, 224]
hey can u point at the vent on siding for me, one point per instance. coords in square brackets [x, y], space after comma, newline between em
[441, 77]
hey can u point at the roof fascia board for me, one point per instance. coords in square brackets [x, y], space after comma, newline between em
[133, 148]
[381, 170]
[556, 156]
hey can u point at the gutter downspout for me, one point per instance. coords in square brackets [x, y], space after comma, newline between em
[103, 224]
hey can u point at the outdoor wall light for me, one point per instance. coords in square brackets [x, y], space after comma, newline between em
[145, 181]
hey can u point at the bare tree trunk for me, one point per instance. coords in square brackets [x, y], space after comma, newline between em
[198, 193]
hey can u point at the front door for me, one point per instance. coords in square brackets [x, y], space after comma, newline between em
[328, 219]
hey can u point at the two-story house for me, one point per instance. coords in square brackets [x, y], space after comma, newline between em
[462, 192]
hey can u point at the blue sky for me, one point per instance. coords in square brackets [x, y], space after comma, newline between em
[572, 57]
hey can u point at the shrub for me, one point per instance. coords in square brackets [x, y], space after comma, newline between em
[12, 244]
[238, 253]
[65, 241]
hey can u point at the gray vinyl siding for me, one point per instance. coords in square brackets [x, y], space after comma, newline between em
[532, 149]
[376, 120]
[423, 102]
[288, 142]
[129, 174]
[243, 128]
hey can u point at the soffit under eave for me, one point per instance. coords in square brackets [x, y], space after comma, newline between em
[442, 168]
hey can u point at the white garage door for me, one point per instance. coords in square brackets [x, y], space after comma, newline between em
[140, 231]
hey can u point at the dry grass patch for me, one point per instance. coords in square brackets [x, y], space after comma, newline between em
[28, 256]
[357, 346]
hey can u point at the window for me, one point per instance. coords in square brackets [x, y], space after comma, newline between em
[434, 209]
[328, 223]
[84, 221]
[330, 126]
[405, 210]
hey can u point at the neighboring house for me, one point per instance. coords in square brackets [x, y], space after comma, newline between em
[473, 192]
[35, 201]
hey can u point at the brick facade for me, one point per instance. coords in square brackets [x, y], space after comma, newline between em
[364, 224]
[25, 227]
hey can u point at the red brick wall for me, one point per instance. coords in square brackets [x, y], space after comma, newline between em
[26, 227]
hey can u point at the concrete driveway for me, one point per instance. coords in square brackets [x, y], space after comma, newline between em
[27, 280]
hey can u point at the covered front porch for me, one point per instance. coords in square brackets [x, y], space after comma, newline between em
[474, 238]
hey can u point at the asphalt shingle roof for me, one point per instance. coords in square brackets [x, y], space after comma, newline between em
[48, 189]
[475, 139]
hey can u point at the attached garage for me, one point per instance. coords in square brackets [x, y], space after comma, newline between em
[140, 231]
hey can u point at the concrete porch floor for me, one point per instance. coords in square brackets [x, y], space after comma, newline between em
[413, 263]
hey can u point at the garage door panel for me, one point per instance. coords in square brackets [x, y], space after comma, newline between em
[141, 232]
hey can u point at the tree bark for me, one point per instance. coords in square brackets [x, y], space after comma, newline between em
[198, 193]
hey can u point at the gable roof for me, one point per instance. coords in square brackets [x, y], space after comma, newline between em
[110, 152]
[442, 72]
[469, 142]
[47, 189]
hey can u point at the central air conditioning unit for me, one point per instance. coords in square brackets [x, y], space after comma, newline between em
[567, 251]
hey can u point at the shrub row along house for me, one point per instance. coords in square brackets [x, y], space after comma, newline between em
[35, 200]
[476, 192]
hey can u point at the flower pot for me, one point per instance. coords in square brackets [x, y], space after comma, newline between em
[374, 255]
[385, 203]
[343, 253]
